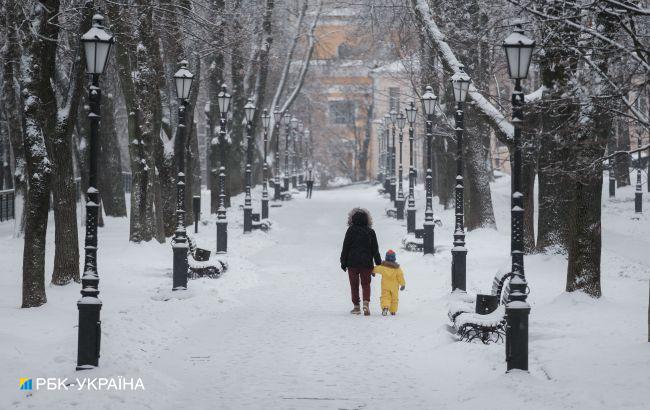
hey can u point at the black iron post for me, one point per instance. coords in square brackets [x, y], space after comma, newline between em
[399, 202]
[196, 207]
[429, 107]
[429, 225]
[180, 244]
[294, 159]
[410, 212]
[380, 159]
[287, 125]
[517, 308]
[222, 220]
[266, 118]
[393, 190]
[89, 306]
[612, 179]
[638, 193]
[276, 178]
[459, 251]
[387, 154]
[248, 200]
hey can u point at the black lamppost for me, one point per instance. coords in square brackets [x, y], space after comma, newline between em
[97, 44]
[411, 113]
[519, 52]
[393, 119]
[294, 169]
[612, 179]
[429, 102]
[183, 79]
[301, 170]
[222, 223]
[266, 121]
[249, 111]
[387, 153]
[287, 131]
[460, 83]
[399, 202]
[277, 117]
[380, 156]
[638, 193]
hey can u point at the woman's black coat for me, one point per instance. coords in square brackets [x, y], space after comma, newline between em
[360, 248]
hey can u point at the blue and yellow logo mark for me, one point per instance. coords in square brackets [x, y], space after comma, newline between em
[25, 383]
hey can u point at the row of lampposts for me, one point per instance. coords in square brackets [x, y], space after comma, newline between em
[518, 49]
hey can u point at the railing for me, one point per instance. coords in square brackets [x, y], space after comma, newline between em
[7, 207]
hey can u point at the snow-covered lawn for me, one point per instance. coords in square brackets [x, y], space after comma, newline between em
[275, 332]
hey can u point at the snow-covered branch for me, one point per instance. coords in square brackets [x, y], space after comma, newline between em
[449, 60]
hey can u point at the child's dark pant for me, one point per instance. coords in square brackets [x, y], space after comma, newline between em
[360, 275]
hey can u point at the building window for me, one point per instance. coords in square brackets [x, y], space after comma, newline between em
[393, 99]
[341, 112]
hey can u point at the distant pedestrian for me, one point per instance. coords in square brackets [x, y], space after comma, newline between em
[392, 281]
[310, 181]
[360, 250]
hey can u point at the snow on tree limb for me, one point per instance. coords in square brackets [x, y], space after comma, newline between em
[449, 60]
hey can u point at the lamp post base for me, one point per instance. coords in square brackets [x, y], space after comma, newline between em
[393, 191]
[276, 191]
[399, 206]
[248, 219]
[90, 332]
[428, 247]
[410, 219]
[294, 181]
[612, 188]
[458, 268]
[517, 313]
[180, 265]
[286, 183]
[301, 179]
[265, 208]
[222, 236]
[638, 201]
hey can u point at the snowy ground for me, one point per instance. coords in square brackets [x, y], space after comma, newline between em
[274, 332]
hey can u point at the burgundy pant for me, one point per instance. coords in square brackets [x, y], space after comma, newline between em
[360, 273]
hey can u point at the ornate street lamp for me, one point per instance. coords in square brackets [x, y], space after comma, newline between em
[393, 118]
[97, 44]
[183, 79]
[411, 114]
[301, 170]
[249, 112]
[638, 193]
[399, 202]
[223, 99]
[277, 117]
[460, 82]
[519, 52]
[266, 121]
[387, 153]
[429, 103]
[287, 132]
[294, 176]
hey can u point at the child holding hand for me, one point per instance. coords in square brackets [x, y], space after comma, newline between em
[392, 281]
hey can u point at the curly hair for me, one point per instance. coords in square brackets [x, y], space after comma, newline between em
[359, 216]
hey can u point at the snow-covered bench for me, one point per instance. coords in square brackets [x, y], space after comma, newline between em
[414, 241]
[261, 224]
[473, 320]
[200, 264]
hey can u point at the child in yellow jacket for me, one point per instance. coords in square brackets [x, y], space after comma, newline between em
[392, 281]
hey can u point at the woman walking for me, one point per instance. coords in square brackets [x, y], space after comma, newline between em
[360, 249]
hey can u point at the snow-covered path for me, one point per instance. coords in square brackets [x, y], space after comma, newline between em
[275, 332]
[291, 342]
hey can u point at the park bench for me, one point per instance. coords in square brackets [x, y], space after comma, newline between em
[261, 224]
[481, 316]
[391, 212]
[200, 264]
[414, 242]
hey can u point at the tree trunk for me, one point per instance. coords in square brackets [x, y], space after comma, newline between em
[10, 100]
[622, 163]
[478, 203]
[37, 59]
[111, 183]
